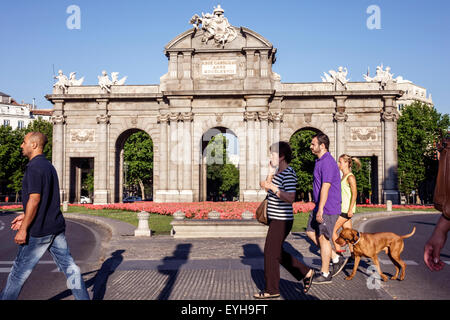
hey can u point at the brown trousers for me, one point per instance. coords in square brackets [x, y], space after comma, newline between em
[274, 255]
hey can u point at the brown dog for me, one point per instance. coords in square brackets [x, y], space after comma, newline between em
[370, 244]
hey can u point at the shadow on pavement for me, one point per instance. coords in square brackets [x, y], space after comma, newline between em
[254, 257]
[98, 283]
[170, 267]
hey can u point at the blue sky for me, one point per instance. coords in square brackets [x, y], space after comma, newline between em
[311, 37]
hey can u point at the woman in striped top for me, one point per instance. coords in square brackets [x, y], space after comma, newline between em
[280, 185]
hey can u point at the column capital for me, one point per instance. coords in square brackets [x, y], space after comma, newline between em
[187, 116]
[103, 118]
[174, 116]
[250, 116]
[276, 116]
[389, 115]
[163, 118]
[264, 116]
[340, 116]
[61, 119]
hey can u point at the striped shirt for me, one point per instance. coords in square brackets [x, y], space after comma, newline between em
[278, 209]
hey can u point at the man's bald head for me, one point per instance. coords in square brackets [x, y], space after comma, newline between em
[39, 138]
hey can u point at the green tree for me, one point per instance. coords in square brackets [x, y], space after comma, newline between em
[222, 175]
[418, 129]
[138, 155]
[362, 176]
[303, 161]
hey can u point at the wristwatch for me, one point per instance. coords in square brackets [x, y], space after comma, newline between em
[276, 193]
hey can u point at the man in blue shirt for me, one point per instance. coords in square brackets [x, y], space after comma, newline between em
[42, 226]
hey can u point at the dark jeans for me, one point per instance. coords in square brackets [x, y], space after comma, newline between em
[274, 255]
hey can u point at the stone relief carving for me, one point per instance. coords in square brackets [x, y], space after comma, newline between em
[364, 134]
[82, 135]
[215, 26]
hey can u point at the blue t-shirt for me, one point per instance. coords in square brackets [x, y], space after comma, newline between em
[40, 177]
[326, 170]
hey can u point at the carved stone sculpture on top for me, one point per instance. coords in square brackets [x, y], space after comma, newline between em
[73, 81]
[337, 77]
[385, 77]
[64, 83]
[215, 26]
[105, 83]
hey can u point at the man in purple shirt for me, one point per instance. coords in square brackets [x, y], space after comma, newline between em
[327, 197]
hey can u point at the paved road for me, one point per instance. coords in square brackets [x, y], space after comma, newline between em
[46, 281]
[420, 282]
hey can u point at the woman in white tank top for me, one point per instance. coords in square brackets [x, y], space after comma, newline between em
[349, 194]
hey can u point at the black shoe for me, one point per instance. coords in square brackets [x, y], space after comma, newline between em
[319, 278]
[337, 267]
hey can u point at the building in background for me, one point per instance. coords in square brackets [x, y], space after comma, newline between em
[412, 93]
[20, 115]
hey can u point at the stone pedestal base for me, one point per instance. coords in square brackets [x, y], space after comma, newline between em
[101, 196]
[218, 229]
[251, 196]
[174, 196]
[392, 195]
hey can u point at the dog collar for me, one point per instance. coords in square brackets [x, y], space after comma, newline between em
[359, 237]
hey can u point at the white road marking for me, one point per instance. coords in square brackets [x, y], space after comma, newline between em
[43, 262]
[2, 225]
[408, 262]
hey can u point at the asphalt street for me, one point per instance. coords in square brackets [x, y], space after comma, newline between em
[420, 282]
[46, 281]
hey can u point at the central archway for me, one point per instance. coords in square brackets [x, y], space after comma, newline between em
[303, 161]
[219, 169]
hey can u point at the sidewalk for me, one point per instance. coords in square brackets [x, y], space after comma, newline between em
[164, 268]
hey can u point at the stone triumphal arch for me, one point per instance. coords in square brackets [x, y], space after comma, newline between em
[219, 76]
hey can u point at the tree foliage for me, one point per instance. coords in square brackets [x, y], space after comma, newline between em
[222, 175]
[12, 162]
[418, 130]
[303, 161]
[138, 157]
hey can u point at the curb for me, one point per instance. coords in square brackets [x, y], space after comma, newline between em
[115, 227]
[361, 218]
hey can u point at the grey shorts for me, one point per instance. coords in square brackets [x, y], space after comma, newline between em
[326, 228]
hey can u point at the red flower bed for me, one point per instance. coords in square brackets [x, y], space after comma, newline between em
[195, 210]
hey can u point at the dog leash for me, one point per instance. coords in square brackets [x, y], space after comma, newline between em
[359, 238]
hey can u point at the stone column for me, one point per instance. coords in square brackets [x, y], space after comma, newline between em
[264, 150]
[390, 117]
[340, 118]
[101, 191]
[251, 117]
[58, 148]
[187, 193]
[173, 157]
[276, 118]
[163, 156]
[173, 65]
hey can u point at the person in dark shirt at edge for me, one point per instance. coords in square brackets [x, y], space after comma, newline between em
[42, 226]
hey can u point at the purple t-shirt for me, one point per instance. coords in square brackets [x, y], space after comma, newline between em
[326, 170]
